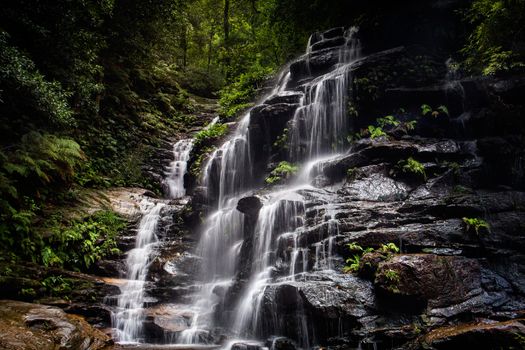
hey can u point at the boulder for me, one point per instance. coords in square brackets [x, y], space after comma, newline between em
[440, 280]
[250, 206]
[26, 326]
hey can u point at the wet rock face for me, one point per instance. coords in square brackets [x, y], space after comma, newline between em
[440, 280]
[38, 327]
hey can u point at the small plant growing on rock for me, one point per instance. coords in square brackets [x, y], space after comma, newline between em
[212, 133]
[376, 131]
[427, 110]
[352, 264]
[282, 141]
[389, 120]
[389, 248]
[412, 166]
[392, 275]
[475, 224]
[283, 171]
[392, 278]
[351, 173]
[411, 125]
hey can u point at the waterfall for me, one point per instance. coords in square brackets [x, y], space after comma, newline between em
[175, 178]
[129, 316]
[318, 130]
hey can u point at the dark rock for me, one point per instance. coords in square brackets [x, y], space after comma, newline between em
[281, 343]
[327, 43]
[38, 327]
[334, 32]
[442, 280]
[289, 98]
[250, 206]
[247, 346]
[487, 334]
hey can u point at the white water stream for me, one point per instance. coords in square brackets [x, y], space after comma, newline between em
[319, 127]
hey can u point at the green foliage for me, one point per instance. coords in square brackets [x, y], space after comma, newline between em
[411, 125]
[476, 224]
[376, 132]
[389, 248]
[389, 120]
[196, 165]
[353, 264]
[56, 285]
[18, 74]
[428, 110]
[212, 133]
[80, 243]
[238, 95]
[391, 276]
[496, 43]
[412, 166]
[282, 141]
[283, 171]
[392, 279]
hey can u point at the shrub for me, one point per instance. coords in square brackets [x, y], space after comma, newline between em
[80, 243]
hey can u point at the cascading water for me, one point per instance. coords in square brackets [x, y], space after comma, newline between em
[175, 179]
[317, 132]
[129, 317]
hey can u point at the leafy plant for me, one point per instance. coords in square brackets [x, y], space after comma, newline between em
[391, 276]
[496, 43]
[375, 132]
[476, 224]
[427, 110]
[239, 94]
[389, 120]
[389, 248]
[214, 132]
[283, 171]
[352, 264]
[411, 125]
[56, 285]
[413, 166]
[80, 243]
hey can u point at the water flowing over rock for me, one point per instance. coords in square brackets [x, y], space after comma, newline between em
[129, 316]
[175, 179]
[265, 268]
